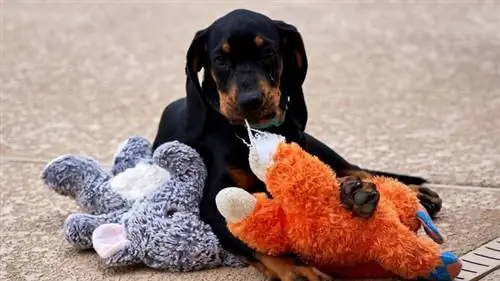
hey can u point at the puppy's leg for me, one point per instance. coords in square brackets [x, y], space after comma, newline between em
[291, 269]
[269, 274]
[428, 198]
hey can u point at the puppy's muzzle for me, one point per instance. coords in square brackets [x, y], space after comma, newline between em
[250, 101]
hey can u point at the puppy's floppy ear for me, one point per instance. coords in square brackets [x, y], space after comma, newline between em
[294, 70]
[196, 105]
[196, 56]
[293, 52]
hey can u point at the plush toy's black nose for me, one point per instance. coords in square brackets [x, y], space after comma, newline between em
[250, 100]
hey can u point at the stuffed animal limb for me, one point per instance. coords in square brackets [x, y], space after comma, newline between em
[130, 152]
[399, 250]
[410, 212]
[244, 213]
[187, 169]
[83, 179]
[396, 247]
[408, 255]
[78, 228]
[163, 230]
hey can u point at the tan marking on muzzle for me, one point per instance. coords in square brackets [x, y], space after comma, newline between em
[227, 102]
[272, 96]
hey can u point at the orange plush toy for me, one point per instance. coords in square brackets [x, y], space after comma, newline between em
[306, 217]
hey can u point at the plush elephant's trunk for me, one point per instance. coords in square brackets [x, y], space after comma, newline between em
[69, 175]
[235, 204]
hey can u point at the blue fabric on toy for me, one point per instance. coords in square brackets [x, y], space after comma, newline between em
[449, 262]
[429, 227]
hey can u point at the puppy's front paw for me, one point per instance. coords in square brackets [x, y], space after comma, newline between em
[429, 199]
[359, 196]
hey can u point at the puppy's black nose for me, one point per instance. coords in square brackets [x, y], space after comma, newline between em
[250, 100]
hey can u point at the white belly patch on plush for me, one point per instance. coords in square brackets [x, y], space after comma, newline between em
[135, 183]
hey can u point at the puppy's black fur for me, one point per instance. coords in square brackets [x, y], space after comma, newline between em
[254, 68]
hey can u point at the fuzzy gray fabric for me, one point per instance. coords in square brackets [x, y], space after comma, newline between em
[162, 229]
[130, 152]
[82, 178]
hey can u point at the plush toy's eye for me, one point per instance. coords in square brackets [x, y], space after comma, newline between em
[170, 213]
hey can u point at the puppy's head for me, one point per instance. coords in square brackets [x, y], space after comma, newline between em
[245, 66]
[248, 60]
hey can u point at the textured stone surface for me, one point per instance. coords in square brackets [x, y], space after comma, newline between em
[411, 88]
[32, 247]
[403, 87]
[494, 276]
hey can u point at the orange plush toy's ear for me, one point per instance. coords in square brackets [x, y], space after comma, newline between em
[257, 221]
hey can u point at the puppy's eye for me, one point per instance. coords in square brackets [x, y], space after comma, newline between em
[268, 54]
[220, 60]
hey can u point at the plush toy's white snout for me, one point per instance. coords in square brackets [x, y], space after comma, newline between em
[235, 204]
[263, 146]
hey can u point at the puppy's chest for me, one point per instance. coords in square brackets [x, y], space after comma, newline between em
[244, 178]
[241, 175]
[234, 156]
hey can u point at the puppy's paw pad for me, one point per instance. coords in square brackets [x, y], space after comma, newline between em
[359, 196]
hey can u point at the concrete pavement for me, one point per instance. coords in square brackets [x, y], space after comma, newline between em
[411, 88]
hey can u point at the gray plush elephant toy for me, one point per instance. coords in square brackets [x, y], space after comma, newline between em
[145, 210]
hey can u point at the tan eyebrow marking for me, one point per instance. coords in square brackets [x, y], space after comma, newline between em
[226, 48]
[258, 41]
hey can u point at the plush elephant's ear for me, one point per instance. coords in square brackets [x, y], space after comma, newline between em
[131, 151]
[109, 239]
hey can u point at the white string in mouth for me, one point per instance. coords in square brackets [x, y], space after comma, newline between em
[262, 147]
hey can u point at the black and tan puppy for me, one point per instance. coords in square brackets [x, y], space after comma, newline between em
[254, 68]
